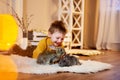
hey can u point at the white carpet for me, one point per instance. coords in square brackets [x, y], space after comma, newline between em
[29, 65]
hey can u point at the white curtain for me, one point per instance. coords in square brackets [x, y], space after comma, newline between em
[109, 25]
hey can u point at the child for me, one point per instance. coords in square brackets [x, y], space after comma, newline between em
[56, 34]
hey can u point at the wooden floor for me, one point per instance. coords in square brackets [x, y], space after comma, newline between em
[108, 57]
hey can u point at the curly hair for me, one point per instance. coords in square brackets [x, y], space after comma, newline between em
[58, 26]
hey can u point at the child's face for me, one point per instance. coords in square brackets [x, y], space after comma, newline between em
[57, 38]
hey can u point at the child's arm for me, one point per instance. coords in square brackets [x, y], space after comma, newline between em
[39, 49]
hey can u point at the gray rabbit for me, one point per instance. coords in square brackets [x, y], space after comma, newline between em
[57, 56]
[68, 60]
[51, 57]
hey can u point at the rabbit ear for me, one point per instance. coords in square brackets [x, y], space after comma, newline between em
[62, 56]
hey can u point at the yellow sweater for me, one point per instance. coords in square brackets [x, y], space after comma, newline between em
[42, 46]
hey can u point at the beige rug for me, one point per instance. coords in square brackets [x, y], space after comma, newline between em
[29, 65]
[84, 52]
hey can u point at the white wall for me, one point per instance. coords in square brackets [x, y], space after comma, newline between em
[44, 12]
[3, 7]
